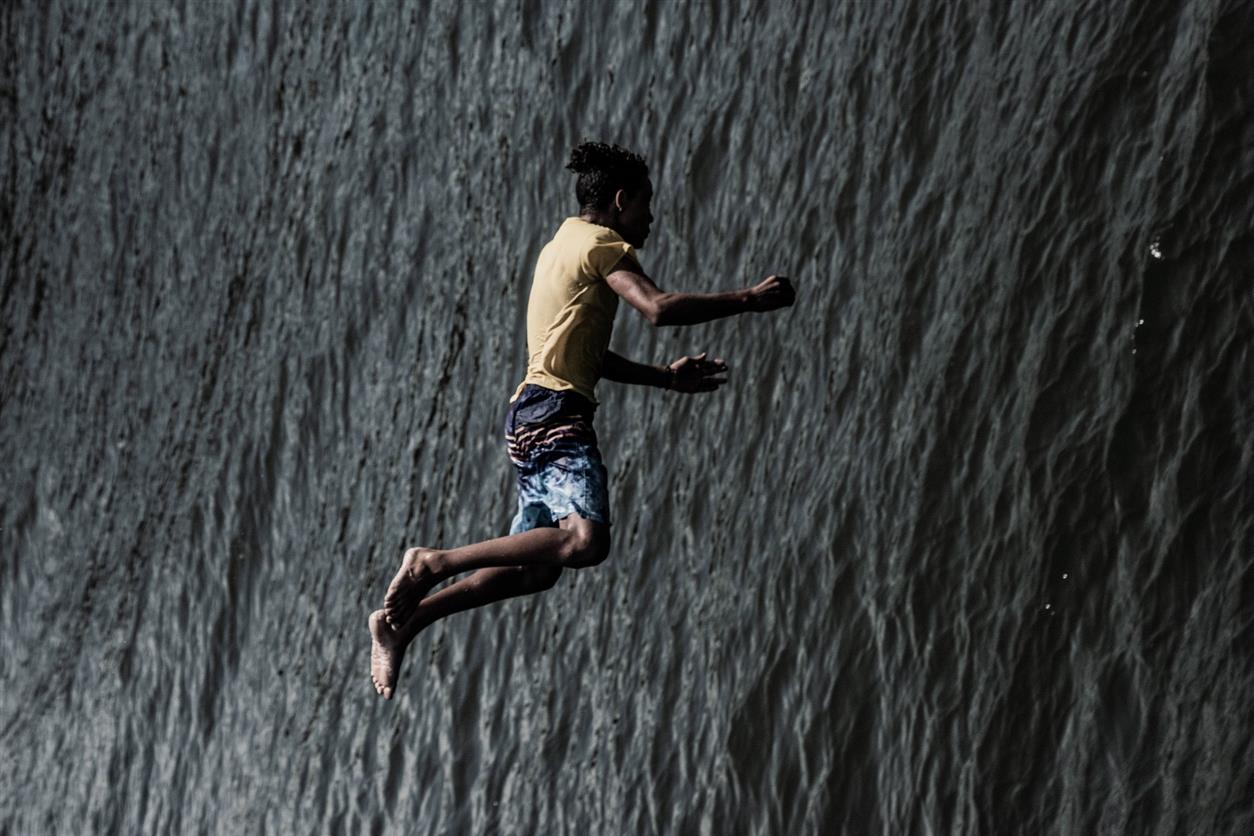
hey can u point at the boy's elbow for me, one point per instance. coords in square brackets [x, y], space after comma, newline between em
[661, 313]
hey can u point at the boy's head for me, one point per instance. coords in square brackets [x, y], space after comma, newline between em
[614, 184]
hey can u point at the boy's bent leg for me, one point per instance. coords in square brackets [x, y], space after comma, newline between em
[576, 543]
[483, 587]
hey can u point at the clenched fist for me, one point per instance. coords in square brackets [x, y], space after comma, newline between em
[771, 293]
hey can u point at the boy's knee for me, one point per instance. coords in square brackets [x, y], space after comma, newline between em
[541, 578]
[595, 552]
[589, 544]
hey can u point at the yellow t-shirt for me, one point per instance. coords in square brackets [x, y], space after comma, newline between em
[570, 313]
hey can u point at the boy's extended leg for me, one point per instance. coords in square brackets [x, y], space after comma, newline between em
[576, 543]
[483, 587]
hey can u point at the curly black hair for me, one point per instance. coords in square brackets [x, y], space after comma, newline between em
[604, 169]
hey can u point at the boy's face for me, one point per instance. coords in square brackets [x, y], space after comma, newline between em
[635, 216]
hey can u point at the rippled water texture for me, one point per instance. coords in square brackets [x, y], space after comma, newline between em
[965, 545]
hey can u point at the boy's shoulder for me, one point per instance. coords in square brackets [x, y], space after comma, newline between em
[586, 246]
[577, 228]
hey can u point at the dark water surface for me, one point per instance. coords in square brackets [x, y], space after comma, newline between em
[965, 545]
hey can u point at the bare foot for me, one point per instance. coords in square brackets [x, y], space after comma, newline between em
[387, 648]
[411, 584]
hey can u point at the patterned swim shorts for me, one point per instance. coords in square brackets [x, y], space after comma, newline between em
[551, 442]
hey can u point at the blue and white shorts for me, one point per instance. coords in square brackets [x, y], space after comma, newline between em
[551, 442]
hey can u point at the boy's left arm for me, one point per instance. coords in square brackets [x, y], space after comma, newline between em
[687, 374]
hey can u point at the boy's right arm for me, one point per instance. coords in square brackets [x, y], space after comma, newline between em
[663, 308]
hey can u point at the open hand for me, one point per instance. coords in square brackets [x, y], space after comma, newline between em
[697, 374]
[772, 293]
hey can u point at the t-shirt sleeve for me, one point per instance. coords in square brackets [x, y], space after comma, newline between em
[605, 254]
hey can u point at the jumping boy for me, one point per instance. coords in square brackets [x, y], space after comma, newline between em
[563, 518]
